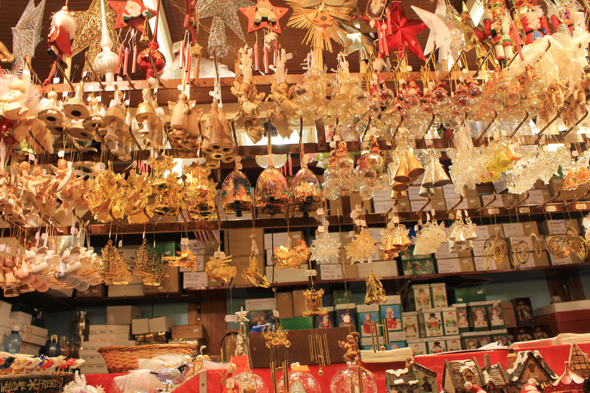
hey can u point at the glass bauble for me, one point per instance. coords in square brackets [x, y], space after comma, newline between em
[236, 193]
[349, 377]
[301, 382]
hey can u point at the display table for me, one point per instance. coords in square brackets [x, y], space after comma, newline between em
[554, 355]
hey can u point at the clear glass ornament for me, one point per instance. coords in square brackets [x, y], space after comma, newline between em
[301, 382]
[346, 380]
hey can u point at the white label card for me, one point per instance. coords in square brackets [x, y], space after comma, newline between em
[231, 318]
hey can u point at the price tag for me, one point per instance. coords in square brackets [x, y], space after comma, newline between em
[321, 212]
[61, 153]
[26, 72]
[524, 210]
[184, 241]
[231, 318]
[580, 206]
[55, 80]
[321, 229]
[31, 157]
[275, 313]
[575, 153]
[493, 211]
[346, 318]
[2, 247]
[120, 243]
[550, 208]
[8, 249]
[311, 273]
[44, 235]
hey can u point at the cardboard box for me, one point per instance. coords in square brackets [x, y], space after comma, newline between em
[487, 198]
[420, 297]
[418, 346]
[240, 243]
[365, 315]
[436, 345]
[530, 227]
[125, 290]
[274, 275]
[334, 272]
[115, 329]
[335, 207]
[455, 265]
[391, 314]
[140, 326]
[381, 269]
[355, 199]
[160, 324]
[280, 239]
[122, 315]
[21, 318]
[345, 314]
[438, 292]
[187, 331]
[410, 324]
[515, 229]
[558, 227]
[419, 267]
[431, 318]
[5, 309]
[436, 204]
[94, 291]
[504, 264]
[453, 343]
[172, 286]
[449, 316]
[196, 280]
[285, 304]
[467, 294]
[242, 263]
[298, 302]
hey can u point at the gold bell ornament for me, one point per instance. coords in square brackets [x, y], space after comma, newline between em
[51, 113]
[200, 192]
[236, 193]
[75, 108]
[415, 169]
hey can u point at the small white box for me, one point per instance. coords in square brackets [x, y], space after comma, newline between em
[261, 304]
[449, 192]
[285, 275]
[21, 318]
[380, 268]
[331, 272]
[513, 229]
[160, 324]
[448, 265]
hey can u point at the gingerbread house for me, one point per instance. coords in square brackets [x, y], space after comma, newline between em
[495, 378]
[415, 378]
[526, 365]
[578, 362]
[458, 372]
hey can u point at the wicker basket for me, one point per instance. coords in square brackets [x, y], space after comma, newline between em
[124, 359]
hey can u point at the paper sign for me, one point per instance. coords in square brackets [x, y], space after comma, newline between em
[242, 364]
[231, 318]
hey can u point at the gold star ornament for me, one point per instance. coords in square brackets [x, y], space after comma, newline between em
[89, 31]
[361, 247]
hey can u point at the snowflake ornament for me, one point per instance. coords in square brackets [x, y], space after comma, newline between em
[324, 247]
[361, 247]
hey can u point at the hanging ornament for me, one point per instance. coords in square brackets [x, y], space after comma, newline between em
[132, 13]
[325, 21]
[224, 12]
[148, 265]
[200, 192]
[105, 62]
[264, 15]
[313, 302]
[399, 31]
[184, 258]
[26, 35]
[307, 193]
[236, 192]
[439, 37]
[272, 191]
[291, 257]
[324, 247]
[218, 268]
[375, 292]
[89, 30]
[113, 266]
[361, 247]
[253, 273]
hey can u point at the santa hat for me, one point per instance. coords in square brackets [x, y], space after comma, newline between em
[530, 386]
[65, 20]
[473, 388]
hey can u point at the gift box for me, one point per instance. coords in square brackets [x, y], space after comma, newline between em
[478, 316]
[391, 314]
[410, 324]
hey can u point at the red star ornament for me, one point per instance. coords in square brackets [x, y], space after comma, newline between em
[401, 30]
[250, 13]
[138, 22]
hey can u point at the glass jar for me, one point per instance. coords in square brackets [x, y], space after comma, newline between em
[13, 342]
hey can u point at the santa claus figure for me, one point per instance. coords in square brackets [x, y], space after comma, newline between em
[471, 388]
[62, 31]
[135, 9]
[530, 387]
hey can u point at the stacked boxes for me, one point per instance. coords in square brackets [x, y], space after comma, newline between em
[102, 336]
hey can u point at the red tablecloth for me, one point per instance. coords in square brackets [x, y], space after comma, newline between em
[554, 355]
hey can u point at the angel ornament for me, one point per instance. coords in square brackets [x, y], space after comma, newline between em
[12, 103]
[249, 99]
[280, 109]
[63, 174]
